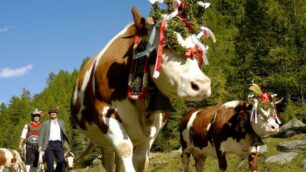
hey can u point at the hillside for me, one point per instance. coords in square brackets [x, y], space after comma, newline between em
[170, 162]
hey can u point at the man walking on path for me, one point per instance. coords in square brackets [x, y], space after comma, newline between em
[30, 136]
[52, 138]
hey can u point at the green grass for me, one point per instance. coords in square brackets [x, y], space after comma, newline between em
[163, 162]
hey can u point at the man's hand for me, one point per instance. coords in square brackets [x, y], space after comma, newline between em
[39, 149]
[22, 151]
[20, 147]
[41, 155]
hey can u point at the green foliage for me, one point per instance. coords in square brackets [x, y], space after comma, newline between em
[294, 110]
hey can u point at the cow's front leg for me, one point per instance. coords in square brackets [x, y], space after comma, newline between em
[118, 163]
[109, 156]
[253, 158]
[85, 152]
[110, 123]
[141, 156]
[121, 142]
[155, 123]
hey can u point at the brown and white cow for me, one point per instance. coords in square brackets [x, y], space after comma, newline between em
[225, 128]
[11, 160]
[102, 110]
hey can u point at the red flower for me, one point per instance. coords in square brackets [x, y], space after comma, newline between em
[265, 98]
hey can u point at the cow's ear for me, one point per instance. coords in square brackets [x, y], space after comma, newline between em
[247, 105]
[244, 105]
[140, 22]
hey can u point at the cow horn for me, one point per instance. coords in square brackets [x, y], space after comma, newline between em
[204, 5]
[153, 1]
[210, 34]
[66, 153]
[278, 101]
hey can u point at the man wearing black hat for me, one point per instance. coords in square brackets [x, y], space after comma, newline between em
[30, 136]
[52, 137]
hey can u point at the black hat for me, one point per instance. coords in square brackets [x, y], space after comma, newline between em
[53, 110]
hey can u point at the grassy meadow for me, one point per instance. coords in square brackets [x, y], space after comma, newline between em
[171, 162]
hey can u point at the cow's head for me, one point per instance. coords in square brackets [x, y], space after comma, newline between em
[177, 53]
[69, 159]
[264, 117]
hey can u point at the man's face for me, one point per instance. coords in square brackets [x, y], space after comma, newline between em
[36, 118]
[53, 115]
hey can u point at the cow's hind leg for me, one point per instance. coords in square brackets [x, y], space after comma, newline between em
[199, 160]
[185, 159]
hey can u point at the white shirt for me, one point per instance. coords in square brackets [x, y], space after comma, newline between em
[55, 131]
[24, 132]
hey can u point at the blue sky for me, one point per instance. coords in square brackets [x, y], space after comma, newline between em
[38, 37]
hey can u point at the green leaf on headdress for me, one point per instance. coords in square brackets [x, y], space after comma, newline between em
[255, 88]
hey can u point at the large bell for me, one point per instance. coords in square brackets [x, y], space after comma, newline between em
[159, 102]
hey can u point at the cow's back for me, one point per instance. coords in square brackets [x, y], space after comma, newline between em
[109, 68]
[103, 79]
[196, 124]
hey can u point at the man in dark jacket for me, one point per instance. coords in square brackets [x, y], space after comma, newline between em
[51, 142]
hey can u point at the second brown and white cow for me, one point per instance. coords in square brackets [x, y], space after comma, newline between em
[225, 128]
[10, 160]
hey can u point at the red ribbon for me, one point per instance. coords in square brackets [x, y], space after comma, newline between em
[190, 27]
[160, 46]
[197, 52]
[137, 40]
[265, 98]
[181, 6]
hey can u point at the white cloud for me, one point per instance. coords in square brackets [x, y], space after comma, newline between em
[4, 29]
[8, 72]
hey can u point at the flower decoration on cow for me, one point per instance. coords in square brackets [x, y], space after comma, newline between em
[182, 24]
[262, 104]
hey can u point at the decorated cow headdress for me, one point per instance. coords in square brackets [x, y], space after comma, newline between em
[181, 27]
[262, 104]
